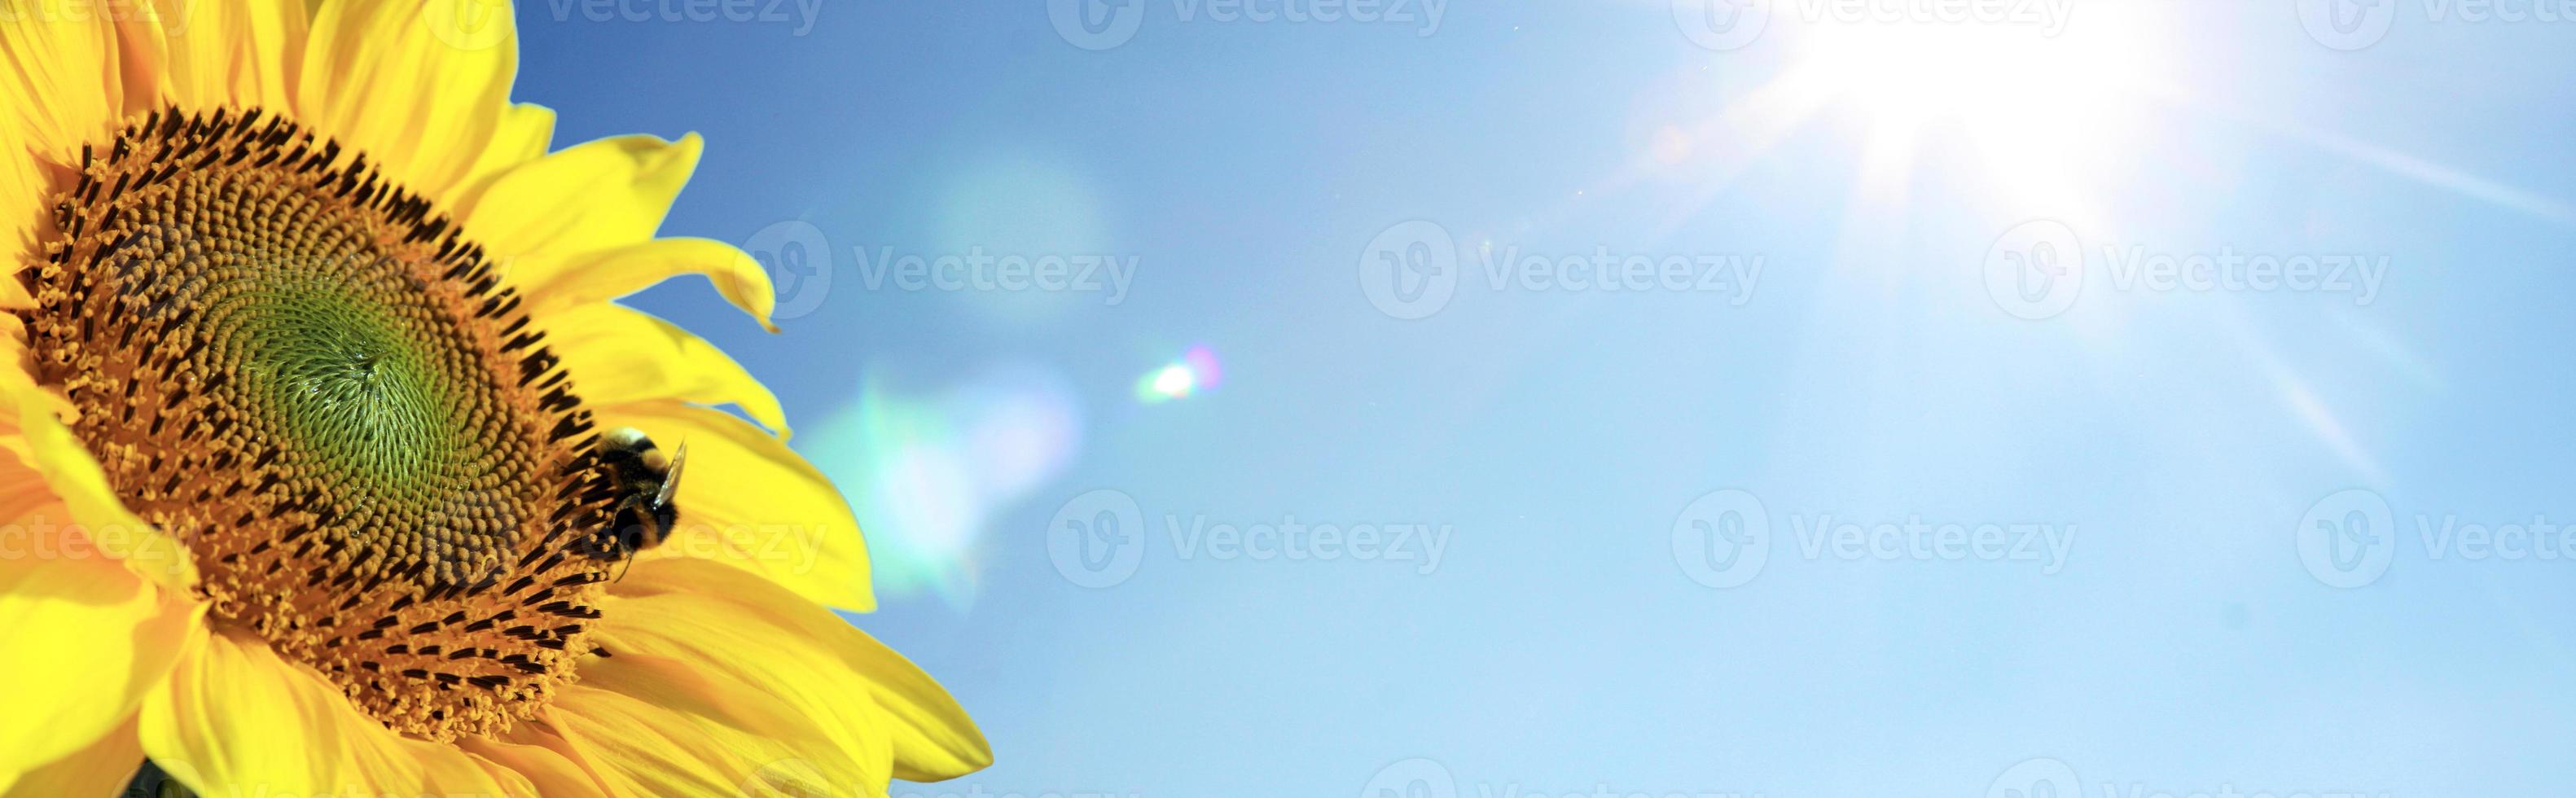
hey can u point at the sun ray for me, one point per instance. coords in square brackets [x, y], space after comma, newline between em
[2404, 165]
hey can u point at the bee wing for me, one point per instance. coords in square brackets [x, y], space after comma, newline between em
[671, 481]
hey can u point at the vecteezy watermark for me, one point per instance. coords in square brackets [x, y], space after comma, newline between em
[467, 24]
[2350, 538]
[1724, 539]
[171, 17]
[1735, 24]
[2357, 24]
[2052, 778]
[1425, 778]
[1099, 539]
[799, 260]
[1412, 269]
[2038, 269]
[2037, 778]
[38, 537]
[981, 791]
[484, 24]
[978, 270]
[797, 15]
[1106, 24]
[2347, 24]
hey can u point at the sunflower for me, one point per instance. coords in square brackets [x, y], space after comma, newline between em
[315, 406]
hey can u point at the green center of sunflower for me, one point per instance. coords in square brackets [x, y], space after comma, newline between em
[306, 376]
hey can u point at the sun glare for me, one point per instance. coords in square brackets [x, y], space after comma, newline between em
[2047, 109]
[2049, 114]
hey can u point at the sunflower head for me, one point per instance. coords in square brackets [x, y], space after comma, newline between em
[311, 380]
[302, 296]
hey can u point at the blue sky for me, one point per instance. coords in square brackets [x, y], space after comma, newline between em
[2033, 342]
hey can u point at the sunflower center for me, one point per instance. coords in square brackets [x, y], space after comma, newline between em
[305, 375]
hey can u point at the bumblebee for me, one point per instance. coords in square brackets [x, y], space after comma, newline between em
[643, 480]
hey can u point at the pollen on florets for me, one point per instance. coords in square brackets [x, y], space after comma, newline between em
[313, 380]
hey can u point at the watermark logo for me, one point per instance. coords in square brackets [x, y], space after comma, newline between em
[1412, 778]
[1424, 778]
[955, 790]
[1100, 539]
[1007, 272]
[1412, 270]
[1409, 271]
[2051, 778]
[1726, 538]
[2351, 538]
[796, 15]
[2036, 778]
[2348, 538]
[801, 265]
[2035, 270]
[1096, 24]
[1106, 24]
[1722, 25]
[2347, 24]
[2039, 268]
[469, 25]
[172, 18]
[1723, 539]
[799, 262]
[1097, 540]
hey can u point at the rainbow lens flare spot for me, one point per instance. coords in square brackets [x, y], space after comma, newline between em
[1196, 371]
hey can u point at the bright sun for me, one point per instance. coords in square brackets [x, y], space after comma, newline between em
[2047, 111]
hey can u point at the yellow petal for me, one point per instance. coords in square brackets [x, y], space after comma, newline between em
[556, 282]
[23, 193]
[23, 190]
[419, 85]
[91, 504]
[550, 764]
[105, 765]
[621, 356]
[707, 615]
[90, 640]
[523, 134]
[23, 493]
[17, 389]
[16, 469]
[214, 55]
[233, 716]
[657, 726]
[607, 193]
[60, 83]
[748, 501]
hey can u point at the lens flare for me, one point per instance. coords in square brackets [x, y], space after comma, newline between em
[1196, 371]
[925, 471]
[1174, 381]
